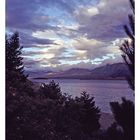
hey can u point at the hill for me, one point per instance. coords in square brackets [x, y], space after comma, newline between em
[109, 71]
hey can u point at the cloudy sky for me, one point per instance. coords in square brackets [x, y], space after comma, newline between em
[63, 34]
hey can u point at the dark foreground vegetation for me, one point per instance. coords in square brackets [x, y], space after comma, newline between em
[48, 114]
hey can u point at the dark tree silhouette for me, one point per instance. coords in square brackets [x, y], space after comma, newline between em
[14, 64]
[91, 114]
[128, 47]
[51, 90]
[124, 116]
[124, 112]
[51, 117]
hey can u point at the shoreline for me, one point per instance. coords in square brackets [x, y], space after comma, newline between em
[122, 79]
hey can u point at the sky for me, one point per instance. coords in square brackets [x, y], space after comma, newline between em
[62, 34]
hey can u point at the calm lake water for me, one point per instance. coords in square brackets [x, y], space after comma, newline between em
[104, 91]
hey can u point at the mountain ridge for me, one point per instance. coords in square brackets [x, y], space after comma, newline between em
[109, 71]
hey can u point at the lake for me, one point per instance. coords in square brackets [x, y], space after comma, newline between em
[104, 91]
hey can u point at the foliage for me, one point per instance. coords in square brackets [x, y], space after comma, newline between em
[14, 65]
[28, 119]
[124, 112]
[91, 113]
[51, 90]
[128, 47]
[46, 113]
[124, 116]
[114, 133]
[49, 117]
[123, 127]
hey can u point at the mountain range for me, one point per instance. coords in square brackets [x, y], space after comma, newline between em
[109, 71]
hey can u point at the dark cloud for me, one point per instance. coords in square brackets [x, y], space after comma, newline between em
[31, 61]
[104, 21]
[19, 14]
[31, 64]
[26, 39]
[93, 24]
[57, 60]
[32, 53]
[100, 30]
[28, 13]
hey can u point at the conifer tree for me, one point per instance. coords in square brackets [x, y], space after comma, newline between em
[14, 64]
[90, 114]
[124, 112]
[128, 47]
[124, 116]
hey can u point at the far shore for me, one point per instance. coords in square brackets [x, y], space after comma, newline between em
[63, 78]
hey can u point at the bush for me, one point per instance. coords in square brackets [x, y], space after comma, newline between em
[124, 116]
[50, 115]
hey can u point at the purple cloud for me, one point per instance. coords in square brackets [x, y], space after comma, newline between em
[101, 21]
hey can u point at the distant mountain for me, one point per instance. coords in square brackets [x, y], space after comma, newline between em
[117, 70]
[38, 73]
[78, 71]
[109, 71]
